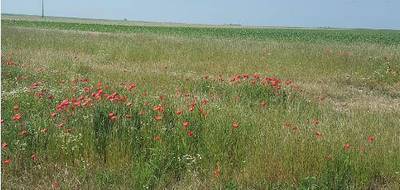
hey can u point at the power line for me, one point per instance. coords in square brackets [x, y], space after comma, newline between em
[42, 8]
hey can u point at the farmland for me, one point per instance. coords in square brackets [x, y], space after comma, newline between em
[119, 106]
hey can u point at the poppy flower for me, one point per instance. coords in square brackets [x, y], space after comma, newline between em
[346, 146]
[191, 108]
[190, 133]
[7, 162]
[179, 112]
[63, 105]
[86, 89]
[17, 117]
[318, 135]
[235, 125]
[2, 121]
[34, 157]
[98, 94]
[4, 146]
[204, 101]
[99, 84]
[371, 139]
[158, 117]
[112, 116]
[186, 124]
[131, 86]
[85, 80]
[158, 108]
[34, 85]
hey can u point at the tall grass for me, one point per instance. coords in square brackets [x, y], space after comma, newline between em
[184, 112]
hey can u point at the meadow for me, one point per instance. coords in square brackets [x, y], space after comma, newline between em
[123, 106]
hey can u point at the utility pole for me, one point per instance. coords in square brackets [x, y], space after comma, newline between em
[42, 8]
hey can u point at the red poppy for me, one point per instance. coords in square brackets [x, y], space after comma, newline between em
[131, 86]
[99, 84]
[17, 117]
[190, 133]
[158, 117]
[85, 80]
[2, 121]
[98, 94]
[204, 101]
[34, 157]
[371, 139]
[318, 135]
[235, 125]
[34, 85]
[4, 146]
[112, 116]
[191, 108]
[7, 162]
[186, 124]
[179, 112]
[346, 146]
[50, 97]
[158, 108]
[86, 89]
[63, 105]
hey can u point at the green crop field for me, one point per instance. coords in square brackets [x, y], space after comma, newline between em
[128, 106]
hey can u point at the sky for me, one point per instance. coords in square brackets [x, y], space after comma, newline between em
[297, 13]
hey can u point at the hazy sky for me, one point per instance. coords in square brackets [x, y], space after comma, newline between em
[309, 13]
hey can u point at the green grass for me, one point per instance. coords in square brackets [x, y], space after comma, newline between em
[347, 80]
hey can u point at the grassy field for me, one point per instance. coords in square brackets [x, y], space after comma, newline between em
[109, 106]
